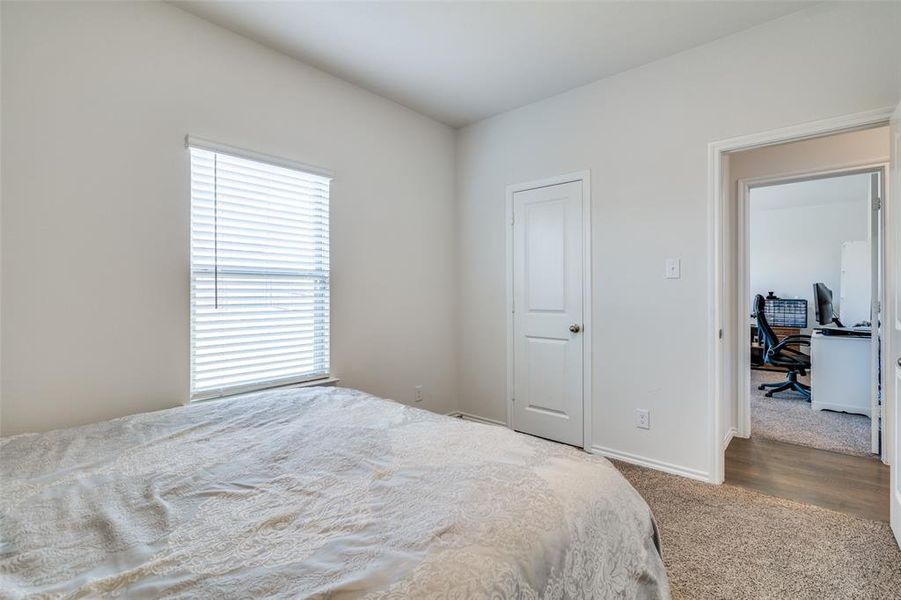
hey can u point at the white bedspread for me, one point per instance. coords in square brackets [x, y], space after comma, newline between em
[318, 492]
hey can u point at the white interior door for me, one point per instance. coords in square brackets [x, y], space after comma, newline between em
[894, 330]
[547, 312]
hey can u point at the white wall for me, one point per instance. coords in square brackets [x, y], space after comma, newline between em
[794, 245]
[644, 135]
[96, 100]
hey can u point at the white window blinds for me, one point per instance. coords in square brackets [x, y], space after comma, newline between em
[259, 274]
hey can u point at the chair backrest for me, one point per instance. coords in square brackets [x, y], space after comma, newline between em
[769, 337]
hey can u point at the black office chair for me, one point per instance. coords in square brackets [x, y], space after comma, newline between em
[779, 353]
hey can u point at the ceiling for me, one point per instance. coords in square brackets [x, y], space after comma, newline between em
[460, 62]
[831, 190]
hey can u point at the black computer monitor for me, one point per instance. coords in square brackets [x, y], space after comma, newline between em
[822, 302]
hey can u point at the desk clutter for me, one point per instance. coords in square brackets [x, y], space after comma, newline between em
[836, 357]
[786, 312]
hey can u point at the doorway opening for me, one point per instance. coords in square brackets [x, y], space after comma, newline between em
[813, 264]
[803, 287]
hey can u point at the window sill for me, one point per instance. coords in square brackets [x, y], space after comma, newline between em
[325, 382]
[328, 381]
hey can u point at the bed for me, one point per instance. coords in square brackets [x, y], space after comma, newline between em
[316, 492]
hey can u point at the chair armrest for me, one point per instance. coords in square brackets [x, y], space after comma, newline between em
[801, 340]
[791, 350]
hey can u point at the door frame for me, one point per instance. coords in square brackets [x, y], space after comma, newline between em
[585, 178]
[741, 359]
[719, 234]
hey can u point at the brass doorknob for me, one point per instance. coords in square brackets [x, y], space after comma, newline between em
[575, 328]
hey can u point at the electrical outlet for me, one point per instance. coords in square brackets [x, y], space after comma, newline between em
[642, 418]
[417, 394]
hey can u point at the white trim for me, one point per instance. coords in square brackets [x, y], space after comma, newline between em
[260, 386]
[891, 410]
[714, 309]
[457, 414]
[587, 299]
[741, 328]
[728, 439]
[895, 517]
[840, 170]
[192, 141]
[327, 381]
[805, 131]
[651, 463]
[587, 292]
[508, 276]
[717, 195]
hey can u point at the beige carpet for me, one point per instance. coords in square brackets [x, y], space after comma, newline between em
[787, 417]
[729, 542]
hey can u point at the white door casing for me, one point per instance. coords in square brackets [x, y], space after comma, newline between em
[893, 271]
[741, 365]
[548, 329]
[720, 235]
[876, 198]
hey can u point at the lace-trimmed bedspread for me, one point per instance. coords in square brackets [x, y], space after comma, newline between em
[321, 492]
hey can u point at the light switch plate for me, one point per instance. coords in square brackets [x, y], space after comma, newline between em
[673, 268]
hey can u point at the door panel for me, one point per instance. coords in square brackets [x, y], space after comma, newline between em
[545, 229]
[547, 312]
[546, 360]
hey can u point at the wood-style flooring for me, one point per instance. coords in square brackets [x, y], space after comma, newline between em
[853, 485]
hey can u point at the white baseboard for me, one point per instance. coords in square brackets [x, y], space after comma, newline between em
[475, 418]
[895, 518]
[607, 452]
[652, 464]
[729, 435]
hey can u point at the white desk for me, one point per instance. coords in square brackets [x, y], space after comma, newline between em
[840, 373]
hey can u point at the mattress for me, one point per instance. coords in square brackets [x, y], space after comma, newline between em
[316, 492]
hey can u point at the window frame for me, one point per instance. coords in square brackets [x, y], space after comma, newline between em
[194, 142]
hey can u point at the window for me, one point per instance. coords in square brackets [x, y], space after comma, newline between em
[259, 273]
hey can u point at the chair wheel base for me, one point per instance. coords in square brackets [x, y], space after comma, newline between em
[790, 383]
